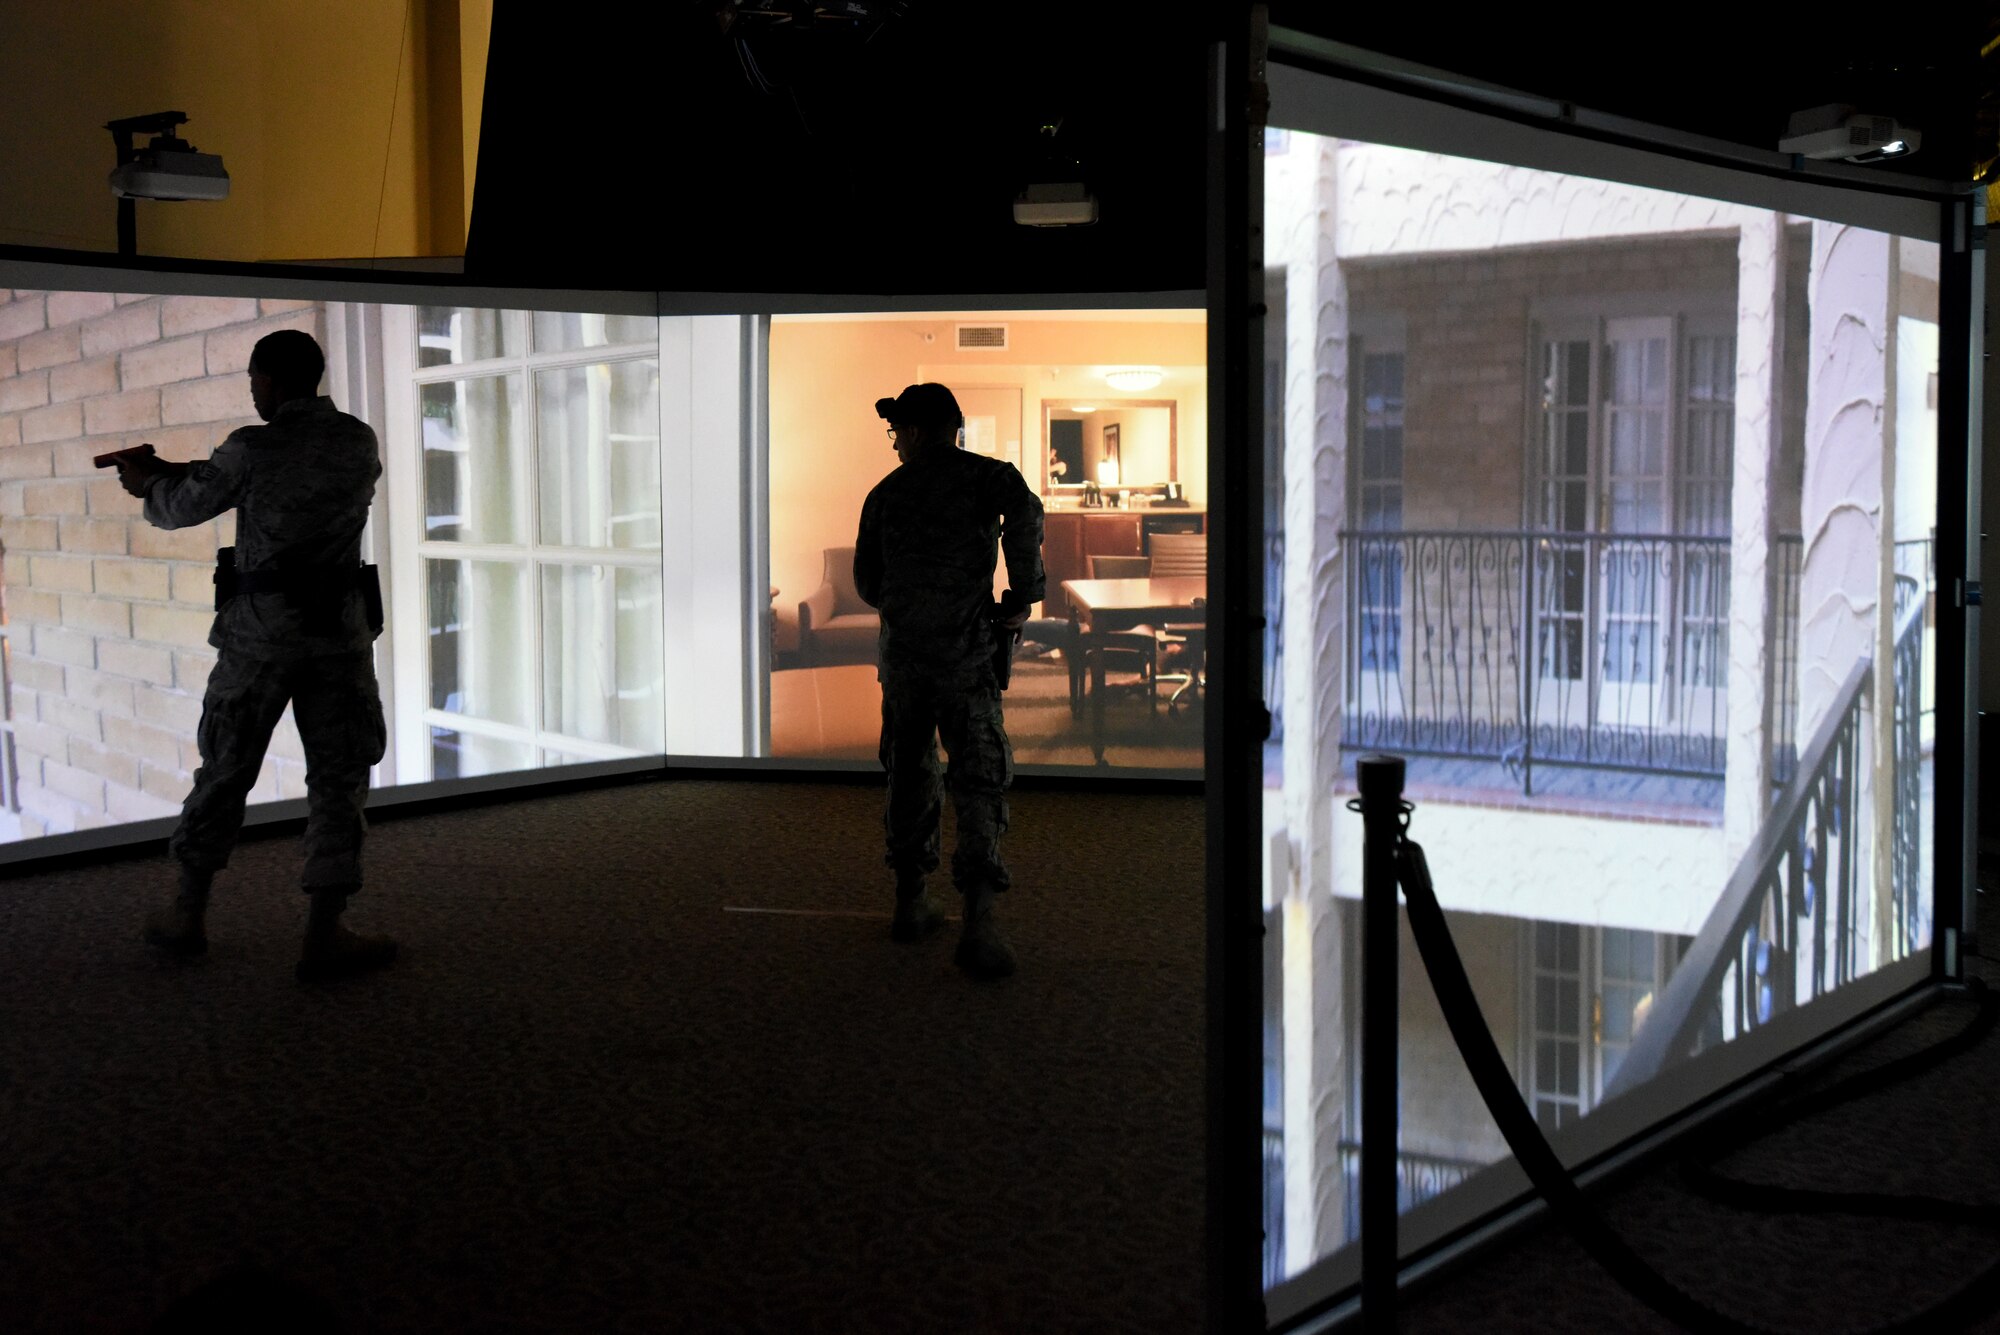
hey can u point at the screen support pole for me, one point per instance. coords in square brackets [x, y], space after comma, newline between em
[1237, 722]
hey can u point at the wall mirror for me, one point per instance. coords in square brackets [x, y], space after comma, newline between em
[1127, 444]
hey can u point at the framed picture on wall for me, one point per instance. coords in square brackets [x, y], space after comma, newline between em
[1107, 459]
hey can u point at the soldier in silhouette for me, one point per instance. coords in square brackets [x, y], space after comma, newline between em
[924, 558]
[296, 615]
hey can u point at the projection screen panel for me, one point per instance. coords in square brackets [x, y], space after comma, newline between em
[1603, 486]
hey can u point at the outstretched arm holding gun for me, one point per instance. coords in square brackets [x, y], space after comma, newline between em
[138, 468]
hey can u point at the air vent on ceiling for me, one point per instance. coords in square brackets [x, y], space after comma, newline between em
[979, 336]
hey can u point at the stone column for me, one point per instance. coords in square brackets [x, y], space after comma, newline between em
[1843, 511]
[1301, 237]
[1316, 503]
[1760, 297]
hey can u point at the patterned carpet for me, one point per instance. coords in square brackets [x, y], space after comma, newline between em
[592, 1097]
[596, 1096]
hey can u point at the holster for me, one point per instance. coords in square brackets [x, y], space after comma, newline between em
[225, 576]
[371, 597]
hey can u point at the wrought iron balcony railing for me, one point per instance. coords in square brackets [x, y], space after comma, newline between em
[1609, 651]
[1792, 925]
[1418, 1178]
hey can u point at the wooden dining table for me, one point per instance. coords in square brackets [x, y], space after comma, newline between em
[1102, 606]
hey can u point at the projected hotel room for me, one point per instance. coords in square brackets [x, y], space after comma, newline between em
[1105, 414]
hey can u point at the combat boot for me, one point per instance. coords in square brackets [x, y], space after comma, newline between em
[982, 951]
[917, 914]
[331, 951]
[181, 927]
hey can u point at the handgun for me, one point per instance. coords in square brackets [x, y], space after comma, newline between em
[117, 457]
[1006, 639]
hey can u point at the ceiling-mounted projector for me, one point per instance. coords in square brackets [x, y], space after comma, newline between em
[1055, 194]
[1838, 131]
[177, 172]
[166, 168]
[1055, 204]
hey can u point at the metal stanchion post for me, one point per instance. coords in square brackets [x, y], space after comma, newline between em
[1380, 780]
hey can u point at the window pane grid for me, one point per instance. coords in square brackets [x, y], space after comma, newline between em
[454, 551]
[1378, 508]
[457, 341]
[1555, 1078]
[1707, 468]
[542, 537]
[438, 720]
[470, 432]
[431, 375]
[1628, 976]
[1564, 505]
[1708, 452]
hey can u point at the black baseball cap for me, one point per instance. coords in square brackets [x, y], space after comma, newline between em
[922, 405]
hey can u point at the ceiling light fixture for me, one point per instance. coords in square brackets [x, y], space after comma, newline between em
[1132, 379]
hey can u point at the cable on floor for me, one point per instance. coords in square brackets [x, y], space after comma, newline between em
[1699, 1171]
[1580, 1217]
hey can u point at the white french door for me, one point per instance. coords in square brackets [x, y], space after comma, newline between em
[1589, 990]
[1563, 514]
[1634, 576]
[1631, 472]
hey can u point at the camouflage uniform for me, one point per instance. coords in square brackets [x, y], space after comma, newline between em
[300, 486]
[925, 557]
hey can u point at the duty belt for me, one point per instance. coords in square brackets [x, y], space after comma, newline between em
[317, 593]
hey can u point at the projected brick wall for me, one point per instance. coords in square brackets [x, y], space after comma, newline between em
[108, 616]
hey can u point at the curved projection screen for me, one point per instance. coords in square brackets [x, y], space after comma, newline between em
[1616, 505]
[595, 530]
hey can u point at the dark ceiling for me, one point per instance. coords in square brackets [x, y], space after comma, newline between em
[640, 155]
[1731, 72]
[642, 152]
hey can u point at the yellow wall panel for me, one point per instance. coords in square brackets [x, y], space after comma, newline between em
[323, 112]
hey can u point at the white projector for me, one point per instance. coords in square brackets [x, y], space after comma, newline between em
[1837, 131]
[171, 173]
[1055, 204]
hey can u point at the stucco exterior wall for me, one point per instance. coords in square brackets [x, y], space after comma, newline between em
[1759, 352]
[1551, 866]
[1442, 1112]
[1395, 201]
[1842, 505]
[108, 616]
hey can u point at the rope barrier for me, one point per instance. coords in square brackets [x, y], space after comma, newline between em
[1582, 1219]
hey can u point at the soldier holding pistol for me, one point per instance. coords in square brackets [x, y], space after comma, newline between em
[296, 615]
